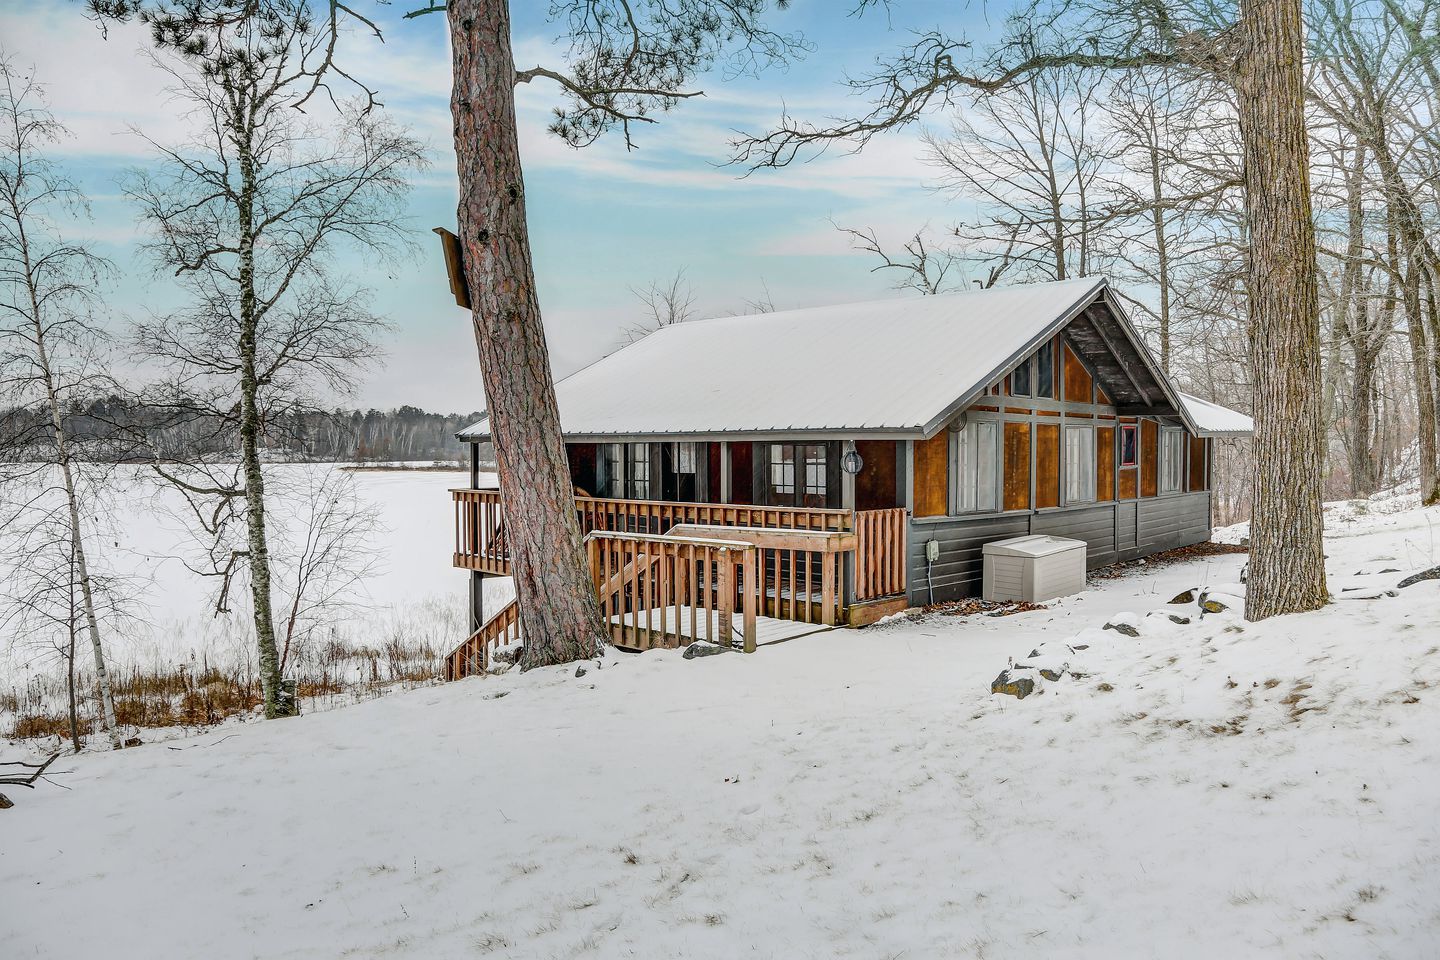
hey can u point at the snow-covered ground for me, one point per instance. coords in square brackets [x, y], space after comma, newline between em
[1211, 789]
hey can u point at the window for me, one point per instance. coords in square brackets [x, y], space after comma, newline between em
[610, 470]
[1020, 379]
[1035, 375]
[977, 467]
[782, 469]
[799, 474]
[1172, 460]
[1079, 464]
[1129, 444]
[816, 476]
[1045, 371]
[639, 471]
[684, 458]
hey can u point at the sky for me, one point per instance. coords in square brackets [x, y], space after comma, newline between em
[604, 221]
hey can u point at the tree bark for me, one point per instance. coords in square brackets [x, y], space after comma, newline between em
[559, 613]
[1287, 565]
[257, 545]
[72, 496]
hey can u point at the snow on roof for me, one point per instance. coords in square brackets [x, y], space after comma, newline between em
[887, 366]
[1212, 420]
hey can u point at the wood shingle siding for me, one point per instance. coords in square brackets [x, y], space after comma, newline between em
[1017, 466]
[932, 475]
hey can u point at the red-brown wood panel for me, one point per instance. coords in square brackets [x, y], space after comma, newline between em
[1104, 463]
[742, 473]
[1017, 466]
[1128, 484]
[1047, 465]
[932, 475]
[1077, 378]
[875, 487]
[582, 466]
[1197, 462]
[1149, 458]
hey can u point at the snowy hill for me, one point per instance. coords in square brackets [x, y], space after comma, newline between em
[1206, 789]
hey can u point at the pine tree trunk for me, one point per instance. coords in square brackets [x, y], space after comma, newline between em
[559, 614]
[257, 546]
[1287, 564]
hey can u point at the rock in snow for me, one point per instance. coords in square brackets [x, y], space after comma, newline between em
[703, 650]
[1014, 682]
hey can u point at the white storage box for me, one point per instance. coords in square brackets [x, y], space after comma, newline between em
[1034, 568]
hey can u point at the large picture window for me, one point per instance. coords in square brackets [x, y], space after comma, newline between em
[1172, 460]
[977, 467]
[1079, 464]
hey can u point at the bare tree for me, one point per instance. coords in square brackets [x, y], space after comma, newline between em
[922, 265]
[48, 342]
[664, 303]
[1031, 156]
[1258, 52]
[248, 216]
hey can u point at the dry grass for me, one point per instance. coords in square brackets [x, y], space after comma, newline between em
[212, 686]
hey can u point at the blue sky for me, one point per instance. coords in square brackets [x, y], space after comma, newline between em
[603, 220]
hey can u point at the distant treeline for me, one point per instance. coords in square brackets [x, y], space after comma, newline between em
[116, 429]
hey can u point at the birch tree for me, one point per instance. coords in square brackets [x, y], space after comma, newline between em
[48, 343]
[248, 216]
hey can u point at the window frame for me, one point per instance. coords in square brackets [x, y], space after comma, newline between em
[1133, 429]
[1089, 493]
[960, 447]
[610, 482]
[638, 487]
[1170, 461]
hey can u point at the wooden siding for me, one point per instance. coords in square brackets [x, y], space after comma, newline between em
[1198, 449]
[1104, 463]
[582, 466]
[1128, 489]
[1112, 532]
[1149, 458]
[1077, 379]
[875, 484]
[932, 475]
[742, 472]
[1047, 465]
[1017, 466]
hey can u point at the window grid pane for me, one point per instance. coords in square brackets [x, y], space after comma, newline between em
[782, 468]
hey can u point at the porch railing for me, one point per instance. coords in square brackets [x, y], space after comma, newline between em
[880, 562]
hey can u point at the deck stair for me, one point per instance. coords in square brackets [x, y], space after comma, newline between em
[738, 586]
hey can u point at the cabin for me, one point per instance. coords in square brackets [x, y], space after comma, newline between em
[829, 446]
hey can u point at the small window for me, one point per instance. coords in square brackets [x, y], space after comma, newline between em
[782, 469]
[1020, 379]
[977, 467]
[1172, 460]
[1079, 464]
[639, 471]
[610, 470]
[1129, 444]
[816, 475]
[1045, 371]
[684, 458]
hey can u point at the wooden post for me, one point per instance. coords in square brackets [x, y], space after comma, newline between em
[725, 595]
[750, 591]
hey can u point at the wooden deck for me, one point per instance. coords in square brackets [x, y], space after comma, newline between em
[768, 630]
[879, 559]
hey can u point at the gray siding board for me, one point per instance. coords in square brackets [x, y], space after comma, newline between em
[1153, 525]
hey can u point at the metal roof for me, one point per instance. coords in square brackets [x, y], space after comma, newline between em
[1212, 420]
[896, 367]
